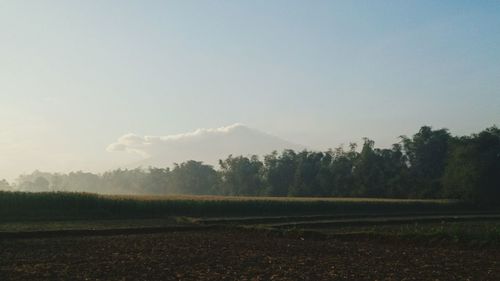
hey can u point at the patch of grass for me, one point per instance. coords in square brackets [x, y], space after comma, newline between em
[22, 226]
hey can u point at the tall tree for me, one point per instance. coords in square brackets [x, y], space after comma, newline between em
[159, 181]
[306, 175]
[342, 169]
[369, 172]
[242, 175]
[193, 177]
[395, 172]
[278, 171]
[473, 168]
[426, 154]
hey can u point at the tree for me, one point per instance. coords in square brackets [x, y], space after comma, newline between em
[342, 168]
[369, 175]
[242, 176]
[278, 170]
[193, 177]
[158, 181]
[430, 164]
[4, 185]
[306, 175]
[121, 181]
[426, 154]
[473, 169]
[41, 184]
[395, 172]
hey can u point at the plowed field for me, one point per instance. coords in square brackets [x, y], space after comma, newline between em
[242, 255]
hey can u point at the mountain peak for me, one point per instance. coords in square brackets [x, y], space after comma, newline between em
[205, 144]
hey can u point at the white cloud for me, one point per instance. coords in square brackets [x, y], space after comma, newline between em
[207, 145]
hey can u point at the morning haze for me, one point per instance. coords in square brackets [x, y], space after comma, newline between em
[250, 140]
[76, 76]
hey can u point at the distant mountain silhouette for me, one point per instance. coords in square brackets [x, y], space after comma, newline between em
[207, 145]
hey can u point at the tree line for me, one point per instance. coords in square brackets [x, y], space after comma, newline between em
[429, 164]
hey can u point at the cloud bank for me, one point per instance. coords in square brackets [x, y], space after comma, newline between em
[207, 145]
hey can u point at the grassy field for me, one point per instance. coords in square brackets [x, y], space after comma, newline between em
[63, 205]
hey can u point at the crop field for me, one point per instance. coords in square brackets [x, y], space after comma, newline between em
[74, 236]
[61, 205]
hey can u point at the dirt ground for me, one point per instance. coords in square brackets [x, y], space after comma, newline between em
[241, 255]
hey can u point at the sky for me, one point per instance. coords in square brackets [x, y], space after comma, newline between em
[78, 77]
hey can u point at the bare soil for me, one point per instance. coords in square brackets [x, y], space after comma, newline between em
[242, 255]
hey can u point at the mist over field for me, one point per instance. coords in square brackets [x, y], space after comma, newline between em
[250, 140]
[139, 80]
[431, 164]
[265, 98]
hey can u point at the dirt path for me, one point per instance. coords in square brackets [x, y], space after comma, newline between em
[240, 255]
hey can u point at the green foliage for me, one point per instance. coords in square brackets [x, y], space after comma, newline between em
[241, 176]
[473, 170]
[369, 171]
[430, 164]
[194, 177]
[306, 181]
[279, 169]
[426, 154]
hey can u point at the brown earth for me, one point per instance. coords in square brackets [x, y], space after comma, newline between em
[242, 255]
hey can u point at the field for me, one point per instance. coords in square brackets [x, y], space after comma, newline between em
[242, 255]
[60, 205]
[69, 236]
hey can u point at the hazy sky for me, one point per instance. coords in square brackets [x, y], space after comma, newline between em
[77, 75]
